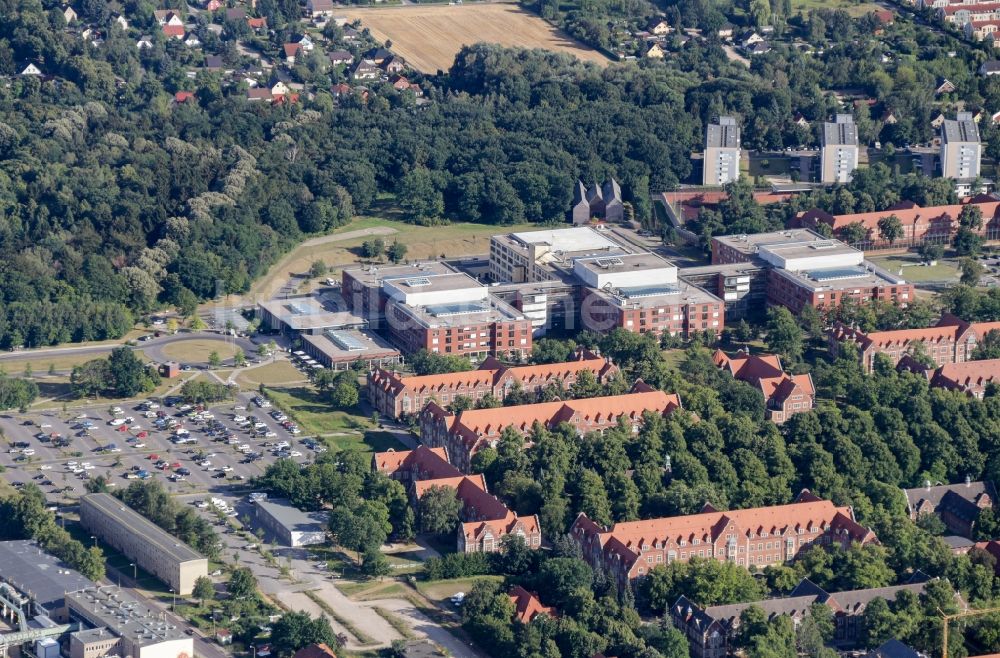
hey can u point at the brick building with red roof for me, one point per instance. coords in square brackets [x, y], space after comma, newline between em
[951, 340]
[971, 377]
[784, 394]
[937, 223]
[758, 536]
[486, 520]
[527, 606]
[466, 433]
[395, 395]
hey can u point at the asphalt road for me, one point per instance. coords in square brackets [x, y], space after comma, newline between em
[152, 348]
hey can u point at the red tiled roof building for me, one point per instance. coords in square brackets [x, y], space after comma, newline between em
[465, 434]
[486, 520]
[395, 395]
[951, 340]
[758, 536]
[784, 394]
[527, 606]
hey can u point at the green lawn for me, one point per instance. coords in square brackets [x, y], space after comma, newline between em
[852, 7]
[440, 590]
[913, 271]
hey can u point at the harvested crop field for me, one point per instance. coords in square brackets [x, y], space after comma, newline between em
[429, 36]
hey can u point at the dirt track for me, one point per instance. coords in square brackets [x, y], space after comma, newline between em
[429, 36]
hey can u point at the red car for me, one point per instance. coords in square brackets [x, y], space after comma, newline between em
[142, 435]
[121, 428]
[153, 457]
[175, 465]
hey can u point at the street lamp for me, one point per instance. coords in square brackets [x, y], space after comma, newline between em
[213, 621]
[135, 575]
[253, 647]
[93, 539]
[173, 603]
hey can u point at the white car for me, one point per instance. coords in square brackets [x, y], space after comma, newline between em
[139, 445]
[270, 435]
[45, 467]
[88, 467]
[295, 453]
[45, 425]
[117, 410]
[201, 504]
[115, 422]
[29, 451]
[205, 463]
[71, 463]
[227, 469]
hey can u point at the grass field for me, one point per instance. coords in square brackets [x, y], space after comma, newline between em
[945, 270]
[428, 37]
[852, 7]
[422, 242]
[316, 417]
[440, 590]
[279, 373]
[197, 351]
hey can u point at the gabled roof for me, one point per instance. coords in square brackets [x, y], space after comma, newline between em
[958, 499]
[627, 539]
[948, 328]
[431, 462]
[527, 606]
[291, 49]
[315, 651]
[908, 216]
[967, 375]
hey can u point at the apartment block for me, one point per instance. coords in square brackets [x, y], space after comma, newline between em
[961, 151]
[395, 395]
[721, 163]
[839, 150]
[784, 394]
[951, 340]
[752, 537]
[153, 549]
[485, 519]
[466, 433]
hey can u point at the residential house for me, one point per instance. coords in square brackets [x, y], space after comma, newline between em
[989, 68]
[144, 41]
[214, 63]
[320, 8]
[884, 16]
[749, 38]
[394, 64]
[993, 548]
[527, 606]
[341, 89]
[213, 5]
[120, 21]
[710, 630]
[305, 41]
[784, 394]
[958, 505]
[366, 69]
[659, 26]
[292, 51]
[236, 14]
[485, 520]
[656, 51]
[396, 396]
[888, 118]
[351, 33]
[760, 48]
[379, 55]
[466, 433]
[315, 651]
[951, 340]
[944, 86]
[30, 68]
[224, 636]
[259, 94]
[399, 83]
[69, 14]
[800, 120]
[339, 57]
[183, 97]
[191, 40]
[726, 31]
[937, 119]
[755, 537]
[257, 24]
[279, 88]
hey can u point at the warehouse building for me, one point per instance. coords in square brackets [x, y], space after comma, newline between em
[153, 549]
[290, 525]
[28, 569]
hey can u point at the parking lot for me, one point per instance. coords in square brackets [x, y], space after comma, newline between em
[189, 452]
